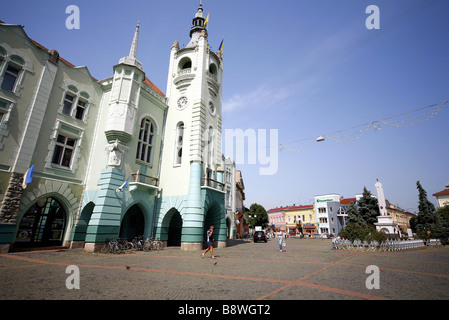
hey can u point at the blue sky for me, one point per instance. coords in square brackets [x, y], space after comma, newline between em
[304, 67]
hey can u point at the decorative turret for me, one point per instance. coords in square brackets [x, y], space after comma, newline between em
[198, 29]
[198, 21]
[125, 92]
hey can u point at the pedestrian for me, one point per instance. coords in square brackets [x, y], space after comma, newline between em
[280, 237]
[209, 242]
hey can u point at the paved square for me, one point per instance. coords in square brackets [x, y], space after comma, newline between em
[309, 269]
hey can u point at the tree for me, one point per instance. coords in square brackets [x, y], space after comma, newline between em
[368, 207]
[356, 228]
[443, 231]
[257, 216]
[426, 222]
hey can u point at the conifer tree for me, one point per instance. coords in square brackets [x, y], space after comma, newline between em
[426, 220]
[368, 207]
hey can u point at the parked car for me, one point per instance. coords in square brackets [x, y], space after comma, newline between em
[260, 236]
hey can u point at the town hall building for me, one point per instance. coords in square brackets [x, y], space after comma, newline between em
[110, 158]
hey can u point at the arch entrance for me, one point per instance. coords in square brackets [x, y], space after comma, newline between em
[42, 225]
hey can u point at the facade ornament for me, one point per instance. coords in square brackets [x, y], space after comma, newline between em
[116, 151]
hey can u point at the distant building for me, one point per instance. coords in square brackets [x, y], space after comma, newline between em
[326, 210]
[239, 218]
[300, 219]
[442, 197]
[276, 218]
[400, 216]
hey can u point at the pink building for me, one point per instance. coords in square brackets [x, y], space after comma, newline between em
[276, 218]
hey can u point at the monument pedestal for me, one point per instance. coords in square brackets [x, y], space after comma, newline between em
[386, 225]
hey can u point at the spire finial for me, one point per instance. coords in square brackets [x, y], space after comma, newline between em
[133, 50]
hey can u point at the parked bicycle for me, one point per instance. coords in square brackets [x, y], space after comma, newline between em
[155, 244]
[140, 243]
[116, 246]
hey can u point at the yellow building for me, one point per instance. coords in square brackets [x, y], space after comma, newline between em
[300, 219]
[400, 216]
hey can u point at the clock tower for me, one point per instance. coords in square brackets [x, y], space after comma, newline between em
[191, 179]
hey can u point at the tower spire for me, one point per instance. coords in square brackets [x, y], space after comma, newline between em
[133, 50]
[131, 59]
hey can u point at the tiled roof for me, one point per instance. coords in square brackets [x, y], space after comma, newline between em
[290, 208]
[347, 201]
[445, 191]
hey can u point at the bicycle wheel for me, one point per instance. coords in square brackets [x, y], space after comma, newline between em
[127, 247]
[146, 246]
[104, 248]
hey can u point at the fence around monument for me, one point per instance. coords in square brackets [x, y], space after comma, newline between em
[388, 245]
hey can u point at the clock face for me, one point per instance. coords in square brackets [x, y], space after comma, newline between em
[182, 102]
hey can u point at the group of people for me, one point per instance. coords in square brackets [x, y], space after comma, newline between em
[279, 235]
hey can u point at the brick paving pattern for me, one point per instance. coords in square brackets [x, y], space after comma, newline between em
[309, 269]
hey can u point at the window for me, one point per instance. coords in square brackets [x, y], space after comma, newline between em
[321, 210]
[63, 152]
[80, 108]
[10, 77]
[3, 110]
[68, 103]
[75, 103]
[146, 140]
[178, 145]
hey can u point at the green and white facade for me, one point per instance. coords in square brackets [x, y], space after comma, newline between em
[87, 137]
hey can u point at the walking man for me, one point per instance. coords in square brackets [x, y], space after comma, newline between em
[209, 242]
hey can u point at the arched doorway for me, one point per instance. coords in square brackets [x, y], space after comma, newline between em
[79, 233]
[133, 223]
[215, 216]
[43, 225]
[175, 230]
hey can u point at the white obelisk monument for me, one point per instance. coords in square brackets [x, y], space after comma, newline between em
[384, 221]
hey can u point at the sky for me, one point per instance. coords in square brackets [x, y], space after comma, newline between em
[304, 68]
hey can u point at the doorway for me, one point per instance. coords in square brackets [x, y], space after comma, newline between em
[43, 225]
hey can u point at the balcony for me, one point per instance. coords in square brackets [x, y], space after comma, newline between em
[212, 184]
[143, 182]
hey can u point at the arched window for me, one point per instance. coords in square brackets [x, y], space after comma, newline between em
[178, 144]
[146, 140]
[185, 63]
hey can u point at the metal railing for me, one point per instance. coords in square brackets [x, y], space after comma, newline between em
[143, 178]
[207, 182]
[388, 245]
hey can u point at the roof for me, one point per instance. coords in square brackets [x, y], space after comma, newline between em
[67, 63]
[288, 208]
[153, 86]
[347, 201]
[444, 192]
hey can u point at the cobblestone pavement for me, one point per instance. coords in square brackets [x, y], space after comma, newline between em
[308, 270]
